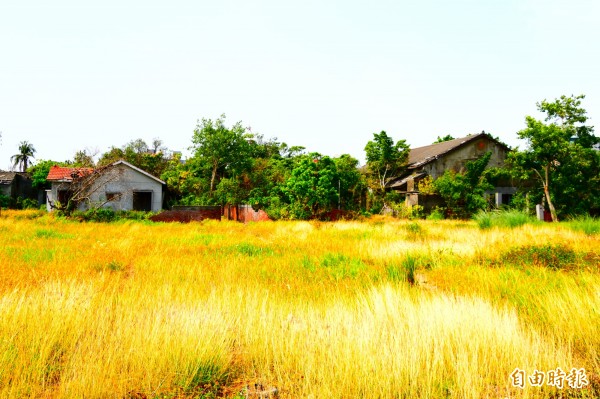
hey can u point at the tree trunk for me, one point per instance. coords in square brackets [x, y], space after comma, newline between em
[214, 175]
[547, 194]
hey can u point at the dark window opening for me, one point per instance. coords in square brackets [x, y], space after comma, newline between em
[506, 198]
[64, 196]
[142, 201]
[113, 196]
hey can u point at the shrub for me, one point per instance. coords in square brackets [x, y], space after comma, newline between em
[436, 214]
[483, 219]
[341, 266]
[557, 256]
[587, 225]
[508, 218]
[4, 201]
[27, 203]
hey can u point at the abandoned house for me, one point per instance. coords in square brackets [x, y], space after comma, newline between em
[433, 160]
[17, 185]
[119, 186]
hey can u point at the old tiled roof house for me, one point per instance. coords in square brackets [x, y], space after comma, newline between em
[119, 186]
[433, 160]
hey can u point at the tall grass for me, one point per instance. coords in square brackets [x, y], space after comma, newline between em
[588, 225]
[321, 310]
[502, 218]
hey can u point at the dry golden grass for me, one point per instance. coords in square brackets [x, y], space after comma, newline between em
[318, 310]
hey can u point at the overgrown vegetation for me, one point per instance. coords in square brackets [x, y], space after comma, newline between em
[588, 225]
[502, 218]
[382, 308]
[559, 166]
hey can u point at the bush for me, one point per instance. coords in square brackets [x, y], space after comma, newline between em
[436, 214]
[509, 218]
[27, 203]
[106, 215]
[4, 201]
[557, 256]
[587, 225]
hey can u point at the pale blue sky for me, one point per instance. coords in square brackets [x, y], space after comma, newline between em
[323, 74]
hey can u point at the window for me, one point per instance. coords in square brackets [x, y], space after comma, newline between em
[113, 197]
[506, 198]
[142, 201]
[64, 196]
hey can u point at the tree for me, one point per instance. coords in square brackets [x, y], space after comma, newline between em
[137, 153]
[39, 172]
[464, 193]
[22, 159]
[442, 139]
[312, 188]
[558, 150]
[351, 183]
[224, 149]
[385, 160]
[83, 160]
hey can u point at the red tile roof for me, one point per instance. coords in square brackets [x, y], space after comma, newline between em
[66, 174]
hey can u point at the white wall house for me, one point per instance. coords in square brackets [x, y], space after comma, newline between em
[120, 186]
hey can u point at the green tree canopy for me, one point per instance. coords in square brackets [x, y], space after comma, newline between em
[442, 139]
[464, 193]
[559, 154]
[312, 188]
[23, 157]
[225, 150]
[385, 159]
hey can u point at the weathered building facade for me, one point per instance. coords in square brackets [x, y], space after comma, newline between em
[119, 186]
[435, 159]
[17, 185]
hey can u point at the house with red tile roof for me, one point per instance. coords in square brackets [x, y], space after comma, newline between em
[120, 186]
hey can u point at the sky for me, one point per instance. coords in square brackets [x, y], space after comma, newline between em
[326, 75]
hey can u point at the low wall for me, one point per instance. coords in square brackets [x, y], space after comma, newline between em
[244, 214]
[185, 214]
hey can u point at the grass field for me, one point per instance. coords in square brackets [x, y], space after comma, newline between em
[374, 309]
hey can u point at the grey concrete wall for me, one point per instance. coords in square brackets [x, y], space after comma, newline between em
[457, 159]
[125, 181]
[120, 181]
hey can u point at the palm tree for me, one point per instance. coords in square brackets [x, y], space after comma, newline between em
[26, 152]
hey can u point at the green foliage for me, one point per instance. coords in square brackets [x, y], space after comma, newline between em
[135, 152]
[50, 233]
[312, 188]
[351, 184]
[248, 249]
[586, 224]
[558, 256]
[385, 159]
[442, 139]
[4, 201]
[436, 214]
[205, 379]
[39, 172]
[406, 271]
[464, 193]
[225, 150]
[23, 157]
[560, 157]
[502, 218]
[27, 203]
[107, 215]
[83, 160]
[340, 266]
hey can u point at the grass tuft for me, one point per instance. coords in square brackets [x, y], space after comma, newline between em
[509, 219]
